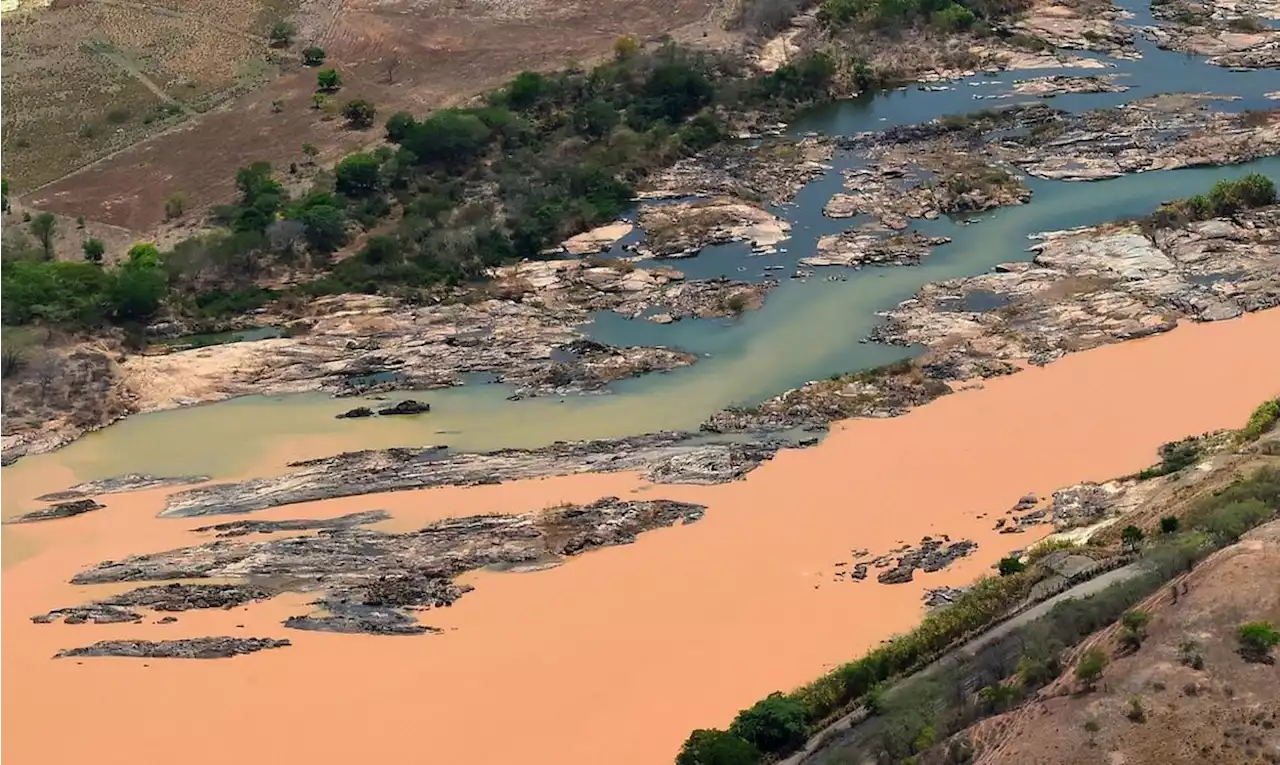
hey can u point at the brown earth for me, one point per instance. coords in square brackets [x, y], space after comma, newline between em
[446, 52]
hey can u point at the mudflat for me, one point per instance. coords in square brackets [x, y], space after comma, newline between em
[618, 653]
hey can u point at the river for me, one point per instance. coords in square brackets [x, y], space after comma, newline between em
[617, 655]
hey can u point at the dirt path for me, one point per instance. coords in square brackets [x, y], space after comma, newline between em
[128, 67]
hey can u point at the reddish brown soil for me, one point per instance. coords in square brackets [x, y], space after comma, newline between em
[447, 53]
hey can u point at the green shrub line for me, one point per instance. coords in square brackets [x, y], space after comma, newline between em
[1224, 199]
[782, 722]
[1263, 419]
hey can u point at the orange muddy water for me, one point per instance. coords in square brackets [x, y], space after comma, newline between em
[616, 655]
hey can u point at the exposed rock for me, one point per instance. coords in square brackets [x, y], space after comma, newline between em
[367, 575]
[683, 229]
[169, 597]
[351, 414]
[408, 406]
[886, 391]
[190, 648]
[596, 240]
[121, 484]
[241, 528]
[59, 510]
[1228, 32]
[98, 613]
[1091, 287]
[872, 245]
[932, 555]
[774, 171]
[1080, 25]
[941, 597]
[662, 457]
[1062, 84]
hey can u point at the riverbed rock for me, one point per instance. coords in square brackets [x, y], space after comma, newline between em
[190, 648]
[369, 578]
[406, 407]
[1229, 33]
[66, 509]
[931, 555]
[121, 484]
[1090, 287]
[773, 171]
[871, 244]
[353, 414]
[242, 528]
[97, 613]
[1094, 25]
[683, 229]
[1062, 84]
[667, 457]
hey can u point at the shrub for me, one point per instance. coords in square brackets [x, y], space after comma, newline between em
[1089, 669]
[44, 227]
[328, 80]
[1011, 565]
[175, 205]
[399, 125]
[774, 725]
[1135, 629]
[1263, 419]
[714, 747]
[1136, 712]
[94, 250]
[313, 56]
[282, 33]
[1189, 654]
[1256, 641]
[1131, 538]
[625, 47]
[1169, 524]
[359, 113]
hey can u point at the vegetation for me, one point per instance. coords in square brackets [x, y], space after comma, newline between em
[1131, 536]
[175, 205]
[94, 250]
[1224, 199]
[313, 56]
[1089, 669]
[1264, 418]
[1256, 641]
[282, 33]
[1169, 524]
[1011, 565]
[328, 80]
[715, 747]
[44, 227]
[944, 15]
[775, 724]
[1134, 629]
[1174, 456]
[359, 113]
[1137, 713]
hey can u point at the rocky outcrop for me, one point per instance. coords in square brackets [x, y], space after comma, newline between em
[667, 457]
[170, 597]
[773, 171]
[872, 245]
[1229, 33]
[899, 565]
[66, 509]
[360, 344]
[121, 484]
[407, 407]
[1062, 84]
[1094, 25]
[882, 392]
[242, 528]
[683, 229]
[1091, 287]
[369, 578]
[191, 648]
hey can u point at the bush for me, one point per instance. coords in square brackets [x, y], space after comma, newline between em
[399, 125]
[282, 33]
[1256, 641]
[1011, 565]
[714, 747]
[359, 113]
[175, 205]
[765, 17]
[313, 56]
[1135, 629]
[1136, 712]
[44, 227]
[775, 724]
[1131, 537]
[1263, 419]
[94, 250]
[328, 80]
[1089, 670]
[1169, 524]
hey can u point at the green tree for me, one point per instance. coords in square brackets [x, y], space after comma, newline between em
[359, 113]
[313, 56]
[1131, 538]
[399, 125]
[1089, 670]
[328, 80]
[1256, 641]
[525, 90]
[716, 747]
[94, 250]
[326, 227]
[44, 227]
[1169, 524]
[596, 118]
[449, 138]
[775, 724]
[1011, 565]
[137, 286]
[144, 255]
[357, 175]
[1134, 629]
[282, 33]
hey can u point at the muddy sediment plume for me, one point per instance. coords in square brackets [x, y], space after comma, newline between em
[191, 648]
[663, 457]
[67, 509]
[371, 578]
